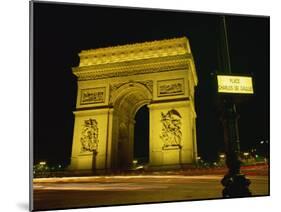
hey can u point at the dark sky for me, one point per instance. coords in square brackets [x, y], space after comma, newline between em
[62, 31]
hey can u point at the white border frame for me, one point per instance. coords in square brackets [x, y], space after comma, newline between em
[14, 68]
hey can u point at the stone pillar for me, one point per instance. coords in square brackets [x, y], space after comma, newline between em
[109, 149]
[171, 139]
[131, 141]
[194, 137]
[90, 138]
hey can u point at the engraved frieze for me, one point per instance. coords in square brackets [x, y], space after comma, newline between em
[92, 96]
[170, 87]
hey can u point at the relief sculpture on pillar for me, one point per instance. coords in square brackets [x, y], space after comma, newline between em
[89, 139]
[171, 134]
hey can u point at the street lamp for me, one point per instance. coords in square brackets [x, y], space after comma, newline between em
[234, 182]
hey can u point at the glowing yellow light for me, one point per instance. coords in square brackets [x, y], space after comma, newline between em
[222, 156]
[235, 84]
[246, 153]
[42, 163]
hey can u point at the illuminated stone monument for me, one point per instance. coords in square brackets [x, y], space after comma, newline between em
[114, 83]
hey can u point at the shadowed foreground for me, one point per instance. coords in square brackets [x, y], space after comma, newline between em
[75, 192]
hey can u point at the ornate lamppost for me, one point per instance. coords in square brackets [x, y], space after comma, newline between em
[235, 183]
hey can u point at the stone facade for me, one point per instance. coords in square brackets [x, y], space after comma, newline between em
[113, 83]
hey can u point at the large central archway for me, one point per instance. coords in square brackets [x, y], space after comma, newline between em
[126, 101]
[114, 83]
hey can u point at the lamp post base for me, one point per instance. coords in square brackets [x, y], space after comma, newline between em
[236, 185]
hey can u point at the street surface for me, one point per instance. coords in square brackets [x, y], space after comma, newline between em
[73, 192]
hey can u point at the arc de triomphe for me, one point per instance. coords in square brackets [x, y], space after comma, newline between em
[114, 83]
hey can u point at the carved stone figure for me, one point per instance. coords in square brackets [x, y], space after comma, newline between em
[171, 129]
[89, 139]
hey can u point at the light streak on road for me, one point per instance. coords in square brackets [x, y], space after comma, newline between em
[81, 179]
[98, 187]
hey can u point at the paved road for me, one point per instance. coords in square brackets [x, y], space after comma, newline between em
[97, 191]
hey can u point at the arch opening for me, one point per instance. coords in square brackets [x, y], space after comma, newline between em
[129, 99]
[141, 135]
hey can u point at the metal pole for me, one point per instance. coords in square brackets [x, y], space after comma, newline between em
[227, 62]
[235, 184]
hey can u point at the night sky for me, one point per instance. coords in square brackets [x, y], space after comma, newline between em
[62, 31]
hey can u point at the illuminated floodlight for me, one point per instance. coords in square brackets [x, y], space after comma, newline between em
[42, 163]
[246, 153]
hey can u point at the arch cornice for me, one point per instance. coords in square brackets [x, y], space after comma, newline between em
[136, 51]
[152, 65]
[139, 58]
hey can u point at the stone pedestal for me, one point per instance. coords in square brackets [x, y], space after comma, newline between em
[171, 156]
